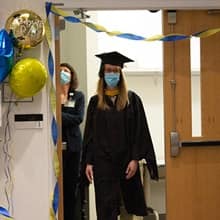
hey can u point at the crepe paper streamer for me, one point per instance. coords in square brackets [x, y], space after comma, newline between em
[51, 64]
[206, 33]
[54, 128]
[56, 164]
[48, 33]
[52, 214]
[95, 27]
[174, 37]
[53, 99]
[57, 10]
[64, 15]
[130, 36]
[4, 212]
[54, 131]
[155, 38]
[48, 8]
[56, 198]
[54, 202]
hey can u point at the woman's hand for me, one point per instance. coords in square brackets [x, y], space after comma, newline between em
[89, 172]
[63, 98]
[131, 169]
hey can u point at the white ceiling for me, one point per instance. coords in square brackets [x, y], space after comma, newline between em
[139, 4]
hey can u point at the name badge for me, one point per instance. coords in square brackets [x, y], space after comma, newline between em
[70, 104]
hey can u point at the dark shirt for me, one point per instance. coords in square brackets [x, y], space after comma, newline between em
[72, 117]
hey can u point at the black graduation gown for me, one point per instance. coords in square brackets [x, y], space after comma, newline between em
[111, 140]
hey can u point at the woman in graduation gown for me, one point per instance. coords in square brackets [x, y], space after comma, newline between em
[116, 137]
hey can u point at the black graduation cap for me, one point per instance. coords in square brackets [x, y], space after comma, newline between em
[114, 58]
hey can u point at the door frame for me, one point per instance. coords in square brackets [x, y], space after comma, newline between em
[105, 5]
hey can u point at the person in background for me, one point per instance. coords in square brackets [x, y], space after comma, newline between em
[116, 137]
[73, 104]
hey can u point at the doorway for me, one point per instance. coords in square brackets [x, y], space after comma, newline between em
[178, 165]
[79, 45]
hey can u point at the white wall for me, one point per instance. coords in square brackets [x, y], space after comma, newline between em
[73, 50]
[30, 149]
[149, 86]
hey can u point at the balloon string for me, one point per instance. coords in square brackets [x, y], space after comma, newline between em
[8, 189]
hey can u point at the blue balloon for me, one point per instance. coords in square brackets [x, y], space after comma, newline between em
[6, 54]
[5, 67]
[6, 45]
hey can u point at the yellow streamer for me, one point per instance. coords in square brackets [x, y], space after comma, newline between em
[52, 214]
[113, 33]
[95, 26]
[6, 218]
[48, 33]
[58, 11]
[56, 164]
[100, 28]
[154, 38]
[53, 99]
[208, 32]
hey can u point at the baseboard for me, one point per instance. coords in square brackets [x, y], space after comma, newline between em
[152, 217]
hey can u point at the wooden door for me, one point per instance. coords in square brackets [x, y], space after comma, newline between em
[193, 176]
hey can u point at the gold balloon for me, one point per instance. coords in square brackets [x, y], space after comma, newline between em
[27, 27]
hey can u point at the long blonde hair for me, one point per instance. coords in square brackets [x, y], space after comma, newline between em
[122, 99]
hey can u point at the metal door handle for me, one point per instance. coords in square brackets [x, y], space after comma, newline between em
[200, 143]
[176, 144]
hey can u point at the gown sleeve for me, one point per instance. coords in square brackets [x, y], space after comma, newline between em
[88, 132]
[140, 138]
[87, 152]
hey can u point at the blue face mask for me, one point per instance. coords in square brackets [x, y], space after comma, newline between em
[65, 77]
[112, 79]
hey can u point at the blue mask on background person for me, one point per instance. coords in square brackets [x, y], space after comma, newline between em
[112, 79]
[65, 77]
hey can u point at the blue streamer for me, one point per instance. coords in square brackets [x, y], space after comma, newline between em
[51, 64]
[72, 19]
[130, 36]
[4, 212]
[174, 38]
[48, 8]
[56, 198]
[54, 131]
